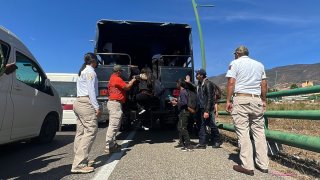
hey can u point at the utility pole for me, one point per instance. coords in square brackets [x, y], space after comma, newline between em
[203, 56]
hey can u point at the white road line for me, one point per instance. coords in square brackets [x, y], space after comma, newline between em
[106, 170]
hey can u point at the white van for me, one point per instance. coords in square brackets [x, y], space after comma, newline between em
[30, 107]
[66, 85]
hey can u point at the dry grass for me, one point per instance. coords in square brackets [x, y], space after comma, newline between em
[306, 127]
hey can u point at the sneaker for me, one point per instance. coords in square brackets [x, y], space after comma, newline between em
[200, 146]
[179, 145]
[83, 170]
[116, 148]
[187, 148]
[216, 145]
[142, 111]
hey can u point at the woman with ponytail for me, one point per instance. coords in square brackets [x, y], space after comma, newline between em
[86, 108]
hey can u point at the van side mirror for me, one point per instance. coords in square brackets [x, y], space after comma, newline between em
[47, 86]
[10, 68]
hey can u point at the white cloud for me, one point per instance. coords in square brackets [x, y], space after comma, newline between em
[262, 17]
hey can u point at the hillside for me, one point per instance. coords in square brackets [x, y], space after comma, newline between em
[284, 76]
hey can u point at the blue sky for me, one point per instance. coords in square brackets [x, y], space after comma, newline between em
[277, 33]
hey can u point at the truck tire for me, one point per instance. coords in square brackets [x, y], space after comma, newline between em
[48, 130]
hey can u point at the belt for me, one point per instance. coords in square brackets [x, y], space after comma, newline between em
[115, 100]
[246, 95]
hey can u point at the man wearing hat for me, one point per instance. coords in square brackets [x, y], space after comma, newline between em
[248, 85]
[205, 110]
[117, 88]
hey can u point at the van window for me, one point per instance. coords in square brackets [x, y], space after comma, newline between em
[65, 89]
[4, 55]
[28, 72]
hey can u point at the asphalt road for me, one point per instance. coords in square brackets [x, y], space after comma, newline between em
[145, 155]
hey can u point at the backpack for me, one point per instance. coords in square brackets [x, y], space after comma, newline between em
[158, 88]
[192, 101]
[217, 93]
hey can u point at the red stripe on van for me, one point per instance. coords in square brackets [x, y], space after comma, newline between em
[67, 106]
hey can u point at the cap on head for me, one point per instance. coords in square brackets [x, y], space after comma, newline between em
[201, 72]
[117, 68]
[242, 50]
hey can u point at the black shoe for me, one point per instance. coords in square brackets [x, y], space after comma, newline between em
[262, 170]
[243, 170]
[216, 145]
[187, 148]
[200, 146]
[179, 145]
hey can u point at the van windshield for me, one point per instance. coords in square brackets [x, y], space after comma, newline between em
[65, 89]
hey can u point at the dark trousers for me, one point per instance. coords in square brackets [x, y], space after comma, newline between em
[182, 126]
[145, 100]
[215, 135]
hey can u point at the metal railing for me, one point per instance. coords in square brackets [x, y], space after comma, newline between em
[307, 142]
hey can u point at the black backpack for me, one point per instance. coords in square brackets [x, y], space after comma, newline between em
[192, 101]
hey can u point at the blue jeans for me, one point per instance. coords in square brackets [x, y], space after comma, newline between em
[215, 135]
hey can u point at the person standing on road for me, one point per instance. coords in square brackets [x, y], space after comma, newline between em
[248, 85]
[184, 116]
[117, 88]
[86, 109]
[205, 112]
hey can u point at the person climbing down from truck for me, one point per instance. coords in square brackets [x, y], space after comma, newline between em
[145, 96]
[185, 113]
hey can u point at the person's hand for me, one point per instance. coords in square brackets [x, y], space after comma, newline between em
[98, 113]
[187, 78]
[174, 102]
[264, 106]
[216, 114]
[132, 80]
[229, 107]
[205, 115]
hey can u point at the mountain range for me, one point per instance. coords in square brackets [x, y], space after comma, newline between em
[283, 77]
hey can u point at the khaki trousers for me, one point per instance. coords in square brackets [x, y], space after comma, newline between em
[247, 115]
[115, 115]
[87, 127]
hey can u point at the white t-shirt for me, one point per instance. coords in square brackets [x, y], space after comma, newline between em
[248, 74]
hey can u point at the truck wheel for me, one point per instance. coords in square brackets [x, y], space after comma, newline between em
[48, 130]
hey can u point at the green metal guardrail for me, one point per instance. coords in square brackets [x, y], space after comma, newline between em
[311, 143]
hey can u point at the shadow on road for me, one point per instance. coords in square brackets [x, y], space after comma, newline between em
[20, 160]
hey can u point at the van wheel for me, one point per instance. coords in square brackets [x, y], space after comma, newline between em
[48, 130]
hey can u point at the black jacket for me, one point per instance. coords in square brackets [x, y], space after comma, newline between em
[207, 95]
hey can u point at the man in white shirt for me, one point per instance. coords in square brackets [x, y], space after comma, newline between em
[248, 85]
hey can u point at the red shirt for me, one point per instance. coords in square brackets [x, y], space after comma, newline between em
[115, 87]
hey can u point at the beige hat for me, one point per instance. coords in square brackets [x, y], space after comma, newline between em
[117, 68]
[242, 50]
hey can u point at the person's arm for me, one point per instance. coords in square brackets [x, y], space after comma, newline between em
[91, 78]
[264, 89]
[230, 90]
[128, 86]
[216, 110]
